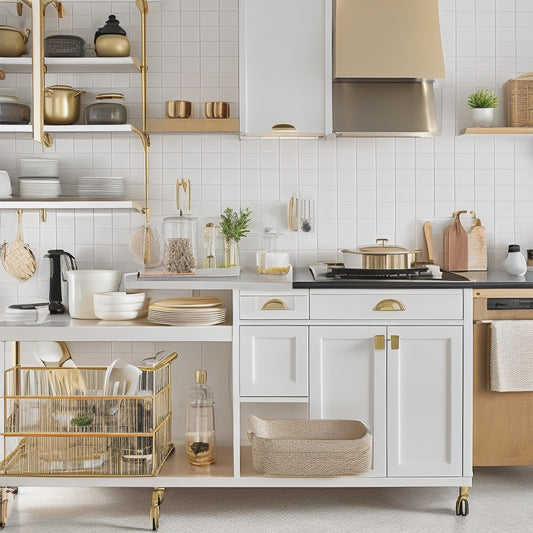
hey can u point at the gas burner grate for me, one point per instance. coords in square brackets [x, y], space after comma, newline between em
[364, 273]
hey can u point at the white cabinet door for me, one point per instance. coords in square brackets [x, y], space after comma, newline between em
[285, 65]
[273, 361]
[348, 380]
[425, 398]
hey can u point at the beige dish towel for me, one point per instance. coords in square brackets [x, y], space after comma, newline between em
[511, 355]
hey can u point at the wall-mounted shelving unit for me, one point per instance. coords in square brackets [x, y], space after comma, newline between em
[56, 65]
[65, 202]
[498, 130]
[193, 125]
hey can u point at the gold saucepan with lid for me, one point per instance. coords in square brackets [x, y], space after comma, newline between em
[379, 256]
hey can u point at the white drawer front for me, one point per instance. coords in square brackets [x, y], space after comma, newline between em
[387, 304]
[274, 306]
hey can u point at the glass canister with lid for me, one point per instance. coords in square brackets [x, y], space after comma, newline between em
[269, 259]
[179, 238]
[107, 110]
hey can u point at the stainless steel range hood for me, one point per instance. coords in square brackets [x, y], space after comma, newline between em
[386, 55]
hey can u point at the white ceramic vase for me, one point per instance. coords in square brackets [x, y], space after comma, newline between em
[483, 116]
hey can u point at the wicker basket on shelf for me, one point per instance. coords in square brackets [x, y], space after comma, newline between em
[519, 100]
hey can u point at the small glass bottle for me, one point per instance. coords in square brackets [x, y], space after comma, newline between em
[515, 263]
[200, 441]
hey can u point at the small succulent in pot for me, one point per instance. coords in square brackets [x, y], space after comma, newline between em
[483, 102]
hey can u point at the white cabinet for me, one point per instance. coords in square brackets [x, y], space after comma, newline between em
[425, 401]
[273, 361]
[285, 67]
[347, 380]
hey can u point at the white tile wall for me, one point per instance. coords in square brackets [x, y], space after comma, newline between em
[364, 188]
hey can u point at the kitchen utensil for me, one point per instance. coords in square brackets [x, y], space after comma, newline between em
[105, 111]
[100, 186]
[57, 259]
[209, 235]
[477, 246]
[17, 257]
[5, 184]
[39, 187]
[178, 109]
[39, 167]
[52, 354]
[121, 379]
[119, 297]
[217, 109]
[379, 256]
[64, 46]
[455, 245]
[84, 284]
[428, 236]
[306, 215]
[61, 104]
[110, 40]
[13, 41]
[13, 111]
[293, 213]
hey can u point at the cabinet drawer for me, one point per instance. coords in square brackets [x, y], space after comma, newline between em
[387, 304]
[274, 306]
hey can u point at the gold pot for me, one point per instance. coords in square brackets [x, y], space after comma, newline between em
[217, 109]
[178, 109]
[112, 45]
[13, 41]
[380, 256]
[61, 105]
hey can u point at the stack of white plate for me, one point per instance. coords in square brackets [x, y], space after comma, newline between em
[100, 187]
[39, 187]
[187, 312]
[39, 167]
[120, 305]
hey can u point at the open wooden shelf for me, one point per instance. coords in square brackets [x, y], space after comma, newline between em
[499, 130]
[54, 65]
[65, 202]
[193, 125]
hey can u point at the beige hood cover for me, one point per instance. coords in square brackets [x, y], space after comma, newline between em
[387, 39]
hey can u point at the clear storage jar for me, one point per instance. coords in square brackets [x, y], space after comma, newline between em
[179, 240]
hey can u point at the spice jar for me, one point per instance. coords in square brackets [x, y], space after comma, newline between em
[178, 236]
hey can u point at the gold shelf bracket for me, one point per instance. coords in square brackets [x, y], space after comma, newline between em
[2, 75]
[20, 5]
[58, 6]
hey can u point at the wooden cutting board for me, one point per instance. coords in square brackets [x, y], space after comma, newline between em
[455, 245]
[477, 247]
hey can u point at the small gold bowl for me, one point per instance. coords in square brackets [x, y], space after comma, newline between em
[217, 109]
[179, 109]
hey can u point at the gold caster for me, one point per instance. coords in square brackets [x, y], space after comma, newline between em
[8, 497]
[461, 506]
[158, 494]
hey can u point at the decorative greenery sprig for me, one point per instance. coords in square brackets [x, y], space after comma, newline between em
[482, 98]
[82, 421]
[235, 226]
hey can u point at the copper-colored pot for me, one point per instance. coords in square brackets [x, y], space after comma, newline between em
[217, 109]
[13, 41]
[61, 105]
[179, 109]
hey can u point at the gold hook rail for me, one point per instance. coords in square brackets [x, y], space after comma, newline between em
[58, 6]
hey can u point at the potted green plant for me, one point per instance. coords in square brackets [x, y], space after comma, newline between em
[234, 226]
[483, 102]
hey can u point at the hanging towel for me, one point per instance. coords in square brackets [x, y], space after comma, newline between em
[511, 355]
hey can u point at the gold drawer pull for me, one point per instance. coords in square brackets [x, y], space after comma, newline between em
[275, 304]
[379, 342]
[394, 342]
[286, 127]
[389, 305]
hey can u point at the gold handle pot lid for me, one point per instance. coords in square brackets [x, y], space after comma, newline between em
[107, 96]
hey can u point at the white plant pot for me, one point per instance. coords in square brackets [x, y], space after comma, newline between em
[483, 116]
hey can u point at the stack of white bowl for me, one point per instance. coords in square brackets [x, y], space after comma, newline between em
[120, 305]
[39, 178]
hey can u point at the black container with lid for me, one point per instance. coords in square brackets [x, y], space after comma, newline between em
[111, 27]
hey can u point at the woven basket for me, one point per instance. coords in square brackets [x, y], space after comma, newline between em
[310, 448]
[519, 100]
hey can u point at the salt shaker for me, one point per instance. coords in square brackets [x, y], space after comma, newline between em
[515, 263]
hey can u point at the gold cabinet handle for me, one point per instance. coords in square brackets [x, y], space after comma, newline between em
[394, 342]
[389, 305]
[275, 304]
[289, 127]
[379, 342]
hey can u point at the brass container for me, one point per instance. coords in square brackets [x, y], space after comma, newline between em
[179, 109]
[112, 45]
[217, 109]
[13, 41]
[61, 105]
[380, 256]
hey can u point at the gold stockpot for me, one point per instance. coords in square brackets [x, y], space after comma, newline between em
[112, 45]
[61, 105]
[178, 109]
[217, 109]
[13, 41]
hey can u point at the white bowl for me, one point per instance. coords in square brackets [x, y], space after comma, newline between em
[118, 297]
[120, 315]
[135, 306]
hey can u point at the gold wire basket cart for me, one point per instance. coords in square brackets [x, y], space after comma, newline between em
[58, 422]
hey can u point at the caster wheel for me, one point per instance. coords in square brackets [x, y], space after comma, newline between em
[462, 508]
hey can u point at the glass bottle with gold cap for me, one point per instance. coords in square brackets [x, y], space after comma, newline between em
[200, 441]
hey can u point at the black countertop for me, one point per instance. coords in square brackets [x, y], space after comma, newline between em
[303, 279]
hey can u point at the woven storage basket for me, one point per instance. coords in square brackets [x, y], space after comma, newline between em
[310, 448]
[519, 100]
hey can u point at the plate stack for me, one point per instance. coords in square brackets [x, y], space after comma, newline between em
[39, 178]
[187, 312]
[120, 305]
[100, 187]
